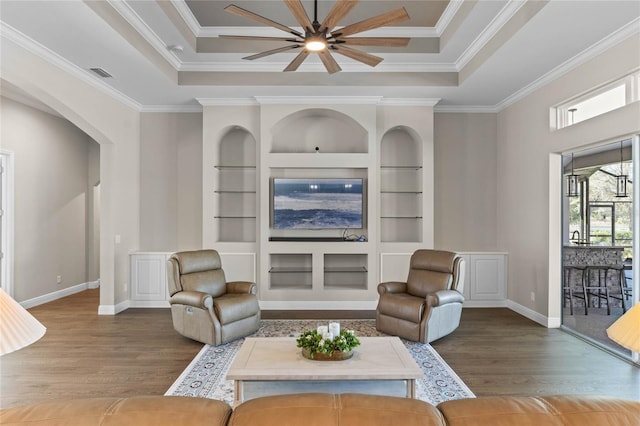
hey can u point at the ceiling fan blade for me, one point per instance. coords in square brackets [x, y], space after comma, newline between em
[358, 55]
[250, 15]
[329, 63]
[271, 52]
[339, 10]
[238, 37]
[385, 19]
[375, 41]
[296, 8]
[297, 61]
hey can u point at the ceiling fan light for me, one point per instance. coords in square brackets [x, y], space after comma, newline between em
[315, 44]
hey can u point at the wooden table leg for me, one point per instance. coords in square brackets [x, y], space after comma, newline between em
[411, 388]
[238, 392]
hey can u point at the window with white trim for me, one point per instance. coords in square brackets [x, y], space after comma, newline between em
[596, 102]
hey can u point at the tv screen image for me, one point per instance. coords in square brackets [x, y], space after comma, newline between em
[317, 203]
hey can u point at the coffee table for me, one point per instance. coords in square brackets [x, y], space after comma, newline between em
[277, 359]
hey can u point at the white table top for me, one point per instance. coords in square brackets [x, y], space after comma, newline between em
[278, 358]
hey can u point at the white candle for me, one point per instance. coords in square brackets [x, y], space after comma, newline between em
[334, 328]
[327, 336]
[322, 329]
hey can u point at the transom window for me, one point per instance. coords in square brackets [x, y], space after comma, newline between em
[596, 102]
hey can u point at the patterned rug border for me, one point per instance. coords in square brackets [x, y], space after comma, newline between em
[205, 375]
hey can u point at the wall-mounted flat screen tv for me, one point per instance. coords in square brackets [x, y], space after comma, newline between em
[317, 203]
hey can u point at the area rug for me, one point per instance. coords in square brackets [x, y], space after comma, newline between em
[205, 376]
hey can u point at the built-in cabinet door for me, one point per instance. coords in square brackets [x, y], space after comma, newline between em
[149, 277]
[486, 277]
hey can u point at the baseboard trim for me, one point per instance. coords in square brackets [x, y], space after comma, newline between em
[333, 305]
[149, 304]
[484, 304]
[319, 305]
[59, 294]
[114, 309]
[533, 315]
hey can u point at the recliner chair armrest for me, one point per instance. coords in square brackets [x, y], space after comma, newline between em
[444, 297]
[197, 299]
[392, 287]
[243, 287]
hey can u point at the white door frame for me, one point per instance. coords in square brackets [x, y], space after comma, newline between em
[6, 221]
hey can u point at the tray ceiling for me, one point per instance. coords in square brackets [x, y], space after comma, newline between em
[167, 54]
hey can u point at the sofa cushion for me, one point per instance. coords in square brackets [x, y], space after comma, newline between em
[134, 411]
[403, 306]
[212, 282]
[232, 307]
[319, 409]
[541, 411]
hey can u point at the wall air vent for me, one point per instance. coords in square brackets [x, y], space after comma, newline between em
[102, 73]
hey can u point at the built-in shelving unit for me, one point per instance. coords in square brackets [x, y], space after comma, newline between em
[345, 271]
[318, 265]
[247, 147]
[290, 271]
[400, 188]
[235, 189]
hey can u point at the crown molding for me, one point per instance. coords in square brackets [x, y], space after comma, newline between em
[187, 16]
[447, 16]
[249, 66]
[632, 28]
[470, 109]
[172, 108]
[11, 34]
[318, 100]
[505, 14]
[413, 32]
[205, 102]
[132, 17]
[428, 102]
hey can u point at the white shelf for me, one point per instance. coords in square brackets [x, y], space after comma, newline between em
[235, 190]
[290, 270]
[401, 201]
[345, 271]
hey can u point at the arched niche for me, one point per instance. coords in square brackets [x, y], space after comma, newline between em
[327, 130]
[237, 146]
[236, 186]
[401, 146]
[401, 186]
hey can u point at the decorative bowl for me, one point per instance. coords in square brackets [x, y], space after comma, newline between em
[320, 356]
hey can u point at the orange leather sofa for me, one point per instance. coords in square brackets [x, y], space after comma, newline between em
[329, 410]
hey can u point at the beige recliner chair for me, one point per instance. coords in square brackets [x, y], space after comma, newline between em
[428, 306]
[204, 306]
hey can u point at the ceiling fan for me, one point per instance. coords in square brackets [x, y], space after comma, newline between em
[322, 38]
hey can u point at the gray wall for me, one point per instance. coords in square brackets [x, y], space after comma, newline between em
[525, 146]
[170, 181]
[491, 175]
[465, 152]
[52, 199]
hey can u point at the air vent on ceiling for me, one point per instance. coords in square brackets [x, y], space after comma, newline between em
[102, 73]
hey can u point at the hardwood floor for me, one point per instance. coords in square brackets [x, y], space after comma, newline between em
[137, 352]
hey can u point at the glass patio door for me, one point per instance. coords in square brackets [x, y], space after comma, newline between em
[598, 242]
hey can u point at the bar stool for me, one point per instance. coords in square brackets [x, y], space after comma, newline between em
[567, 288]
[600, 291]
[627, 283]
[621, 284]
